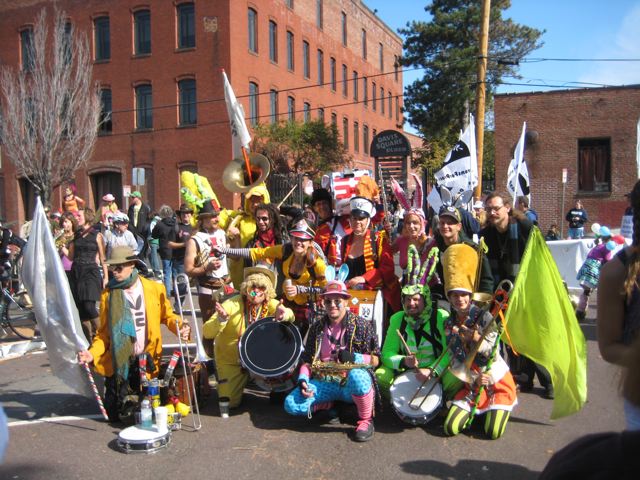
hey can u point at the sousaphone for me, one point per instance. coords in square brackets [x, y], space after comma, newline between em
[235, 177]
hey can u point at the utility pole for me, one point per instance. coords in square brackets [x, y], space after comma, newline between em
[480, 93]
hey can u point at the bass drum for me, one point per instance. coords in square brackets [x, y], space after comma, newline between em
[269, 351]
[369, 304]
[425, 405]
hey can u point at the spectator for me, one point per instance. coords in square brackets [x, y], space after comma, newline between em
[552, 233]
[139, 215]
[577, 217]
[523, 206]
[107, 210]
[165, 232]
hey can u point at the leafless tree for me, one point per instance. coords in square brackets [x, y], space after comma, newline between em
[51, 106]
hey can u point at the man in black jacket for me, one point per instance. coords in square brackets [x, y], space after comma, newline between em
[165, 232]
[139, 216]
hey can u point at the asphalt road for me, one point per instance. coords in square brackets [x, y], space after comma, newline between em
[261, 441]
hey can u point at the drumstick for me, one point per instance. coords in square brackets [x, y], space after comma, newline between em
[404, 343]
[95, 390]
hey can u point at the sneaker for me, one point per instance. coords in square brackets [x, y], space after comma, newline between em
[549, 393]
[580, 315]
[327, 417]
[224, 409]
[364, 431]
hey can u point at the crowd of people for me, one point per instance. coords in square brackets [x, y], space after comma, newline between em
[305, 266]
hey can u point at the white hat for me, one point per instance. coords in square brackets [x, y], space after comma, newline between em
[362, 207]
[108, 198]
[478, 204]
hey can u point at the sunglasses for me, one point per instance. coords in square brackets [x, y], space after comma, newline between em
[262, 219]
[119, 268]
[333, 301]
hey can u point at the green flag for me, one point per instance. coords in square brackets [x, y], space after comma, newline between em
[541, 325]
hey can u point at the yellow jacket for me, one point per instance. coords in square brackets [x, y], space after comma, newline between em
[247, 226]
[306, 280]
[227, 334]
[157, 309]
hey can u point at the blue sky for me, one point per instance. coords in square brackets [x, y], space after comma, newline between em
[580, 29]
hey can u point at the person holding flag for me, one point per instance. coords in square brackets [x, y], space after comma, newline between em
[506, 236]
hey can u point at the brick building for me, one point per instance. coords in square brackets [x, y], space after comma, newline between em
[590, 132]
[159, 64]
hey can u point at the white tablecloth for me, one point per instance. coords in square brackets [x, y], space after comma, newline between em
[569, 256]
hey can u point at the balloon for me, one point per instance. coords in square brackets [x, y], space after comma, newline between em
[595, 228]
[604, 231]
[619, 239]
[611, 245]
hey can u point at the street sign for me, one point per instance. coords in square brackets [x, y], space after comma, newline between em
[565, 171]
[137, 176]
[126, 190]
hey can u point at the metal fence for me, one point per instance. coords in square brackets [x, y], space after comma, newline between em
[279, 185]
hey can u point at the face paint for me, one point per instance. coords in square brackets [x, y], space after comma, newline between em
[253, 293]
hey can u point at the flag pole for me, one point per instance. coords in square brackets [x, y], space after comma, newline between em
[95, 391]
[247, 164]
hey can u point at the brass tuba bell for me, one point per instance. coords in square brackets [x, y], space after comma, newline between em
[235, 177]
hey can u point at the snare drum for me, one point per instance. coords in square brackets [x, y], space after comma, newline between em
[270, 351]
[139, 440]
[369, 304]
[405, 387]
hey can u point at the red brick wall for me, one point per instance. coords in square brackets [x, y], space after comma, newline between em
[561, 119]
[168, 147]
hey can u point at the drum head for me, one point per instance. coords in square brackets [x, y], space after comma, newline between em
[139, 440]
[405, 387]
[269, 348]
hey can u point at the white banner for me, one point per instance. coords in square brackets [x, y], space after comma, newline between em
[518, 170]
[239, 134]
[459, 173]
[53, 304]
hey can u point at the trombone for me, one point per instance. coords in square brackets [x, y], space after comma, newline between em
[497, 305]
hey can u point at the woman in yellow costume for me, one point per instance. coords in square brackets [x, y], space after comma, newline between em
[303, 266]
[255, 301]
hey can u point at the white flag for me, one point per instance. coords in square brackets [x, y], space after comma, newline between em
[459, 173]
[518, 170]
[53, 304]
[239, 134]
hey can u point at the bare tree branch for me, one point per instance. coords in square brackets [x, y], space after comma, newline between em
[52, 109]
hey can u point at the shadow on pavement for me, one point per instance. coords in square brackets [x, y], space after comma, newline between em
[22, 405]
[468, 469]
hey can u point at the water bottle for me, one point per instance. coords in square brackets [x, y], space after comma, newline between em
[146, 420]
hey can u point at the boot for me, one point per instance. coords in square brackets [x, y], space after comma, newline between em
[583, 304]
[364, 404]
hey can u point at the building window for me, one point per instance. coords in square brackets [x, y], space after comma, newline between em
[345, 84]
[321, 114]
[253, 30]
[273, 41]
[26, 49]
[365, 139]
[319, 14]
[332, 73]
[320, 67]
[306, 61]
[290, 51]
[594, 165]
[355, 86]
[364, 44]
[344, 29]
[345, 133]
[186, 25]
[306, 109]
[365, 95]
[334, 119]
[381, 56]
[291, 108]
[396, 64]
[102, 38]
[253, 103]
[188, 103]
[397, 109]
[356, 137]
[382, 100]
[142, 32]
[389, 97]
[144, 107]
[373, 96]
[273, 103]
[105, 119]
[289, 3]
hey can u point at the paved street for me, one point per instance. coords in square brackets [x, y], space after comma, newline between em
[262, 441]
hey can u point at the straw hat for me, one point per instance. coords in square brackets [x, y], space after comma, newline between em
[460, 264]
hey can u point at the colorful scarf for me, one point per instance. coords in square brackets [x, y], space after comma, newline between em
[121, 326]
[265, 239]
